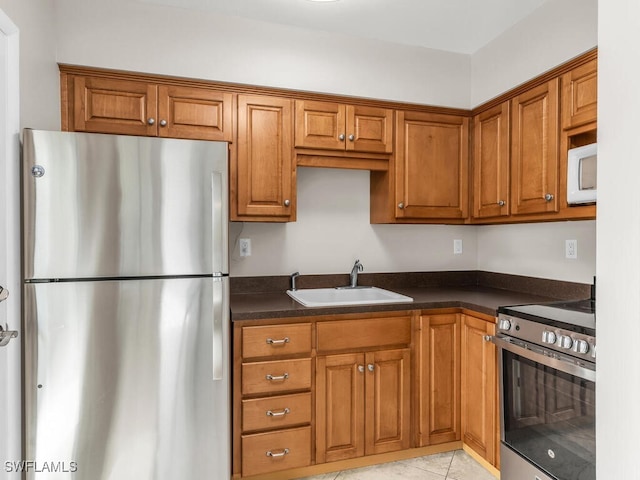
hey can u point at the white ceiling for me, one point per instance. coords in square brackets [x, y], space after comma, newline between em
[461, 26]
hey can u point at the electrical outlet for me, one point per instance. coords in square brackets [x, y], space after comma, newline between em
[245, 247]
[571, 249]
[457, 246]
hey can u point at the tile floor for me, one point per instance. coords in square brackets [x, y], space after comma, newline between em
[455, 465]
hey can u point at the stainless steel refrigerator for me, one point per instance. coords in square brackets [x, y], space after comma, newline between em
[126, 314]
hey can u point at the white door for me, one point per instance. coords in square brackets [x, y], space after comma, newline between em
[10, 401]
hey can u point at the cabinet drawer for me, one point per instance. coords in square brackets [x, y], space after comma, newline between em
[277, 376]
[371, 332]
[271, 340]
[276, 412]
[269, 452]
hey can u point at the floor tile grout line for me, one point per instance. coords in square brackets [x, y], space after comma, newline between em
[446, 476]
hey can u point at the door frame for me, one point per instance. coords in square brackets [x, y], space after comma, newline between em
[10, 355]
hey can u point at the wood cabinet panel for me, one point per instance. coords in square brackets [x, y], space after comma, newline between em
[431, 173]
[106, 105]
[272, 451]
[479, 368]
[491, 159]
[272, 413]
[363, 333]
[194, 113]
[340, 404]
[336, 126]
[580, 95]
[438, 379]
[276, 376]
[388, 401]
[534, 150]
[276, 340]
[265, 167]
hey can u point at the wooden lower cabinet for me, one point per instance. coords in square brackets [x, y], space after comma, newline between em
[479, 387]
[438, 379]
[362, 404]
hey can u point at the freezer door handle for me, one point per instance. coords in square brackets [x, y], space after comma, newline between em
[216, 221]
[218, 328]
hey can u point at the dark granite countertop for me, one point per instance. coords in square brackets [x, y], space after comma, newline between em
[265, 297]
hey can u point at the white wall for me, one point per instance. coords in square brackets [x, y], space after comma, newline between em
[554, 33]
[39, 77]
[618, 264]
[333, 231]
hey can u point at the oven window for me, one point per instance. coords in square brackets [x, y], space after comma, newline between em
[549, 418]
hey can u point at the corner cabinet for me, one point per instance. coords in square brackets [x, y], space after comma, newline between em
[431, 166]
[479, 407]
[264, 174]
[130, 107]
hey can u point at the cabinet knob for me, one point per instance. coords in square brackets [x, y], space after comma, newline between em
[361, 368]
[401, 205]
[548, 197]
[371, 367]
[287, 202]
[341, 137]
[502, 203]
[352, 137]
[151, 121]
[163, 123]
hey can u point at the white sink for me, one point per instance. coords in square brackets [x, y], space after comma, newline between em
[333, 297]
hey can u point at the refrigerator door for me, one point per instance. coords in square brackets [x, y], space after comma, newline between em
[119, 379]
[110, 206]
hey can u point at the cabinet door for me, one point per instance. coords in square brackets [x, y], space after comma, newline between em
[194, 113]
[534, 152]
[265, 167]
[340, 407]
[369, 129]
[387, 401]
[431, 165]
[491, 162]
[320, 125]
[114, 106]
[580, 95]
[479, 366]
[438, 364]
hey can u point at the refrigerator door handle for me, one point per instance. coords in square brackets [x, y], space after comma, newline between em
[218, 327]
[216, 221]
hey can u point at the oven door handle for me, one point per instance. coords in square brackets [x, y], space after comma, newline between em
[557, 363]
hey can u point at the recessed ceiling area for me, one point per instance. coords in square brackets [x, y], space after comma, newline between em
[461, 26]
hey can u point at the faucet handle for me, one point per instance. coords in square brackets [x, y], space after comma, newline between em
[358, 265]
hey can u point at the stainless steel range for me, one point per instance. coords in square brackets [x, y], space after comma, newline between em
[547, 391]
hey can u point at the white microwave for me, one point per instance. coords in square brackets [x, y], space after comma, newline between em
[581, 174]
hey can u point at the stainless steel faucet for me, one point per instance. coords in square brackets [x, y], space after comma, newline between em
[357, 267]
[293, 280]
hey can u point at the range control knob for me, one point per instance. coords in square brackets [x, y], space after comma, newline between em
[504, 324]
[549, 337]
[565, 342]
[580, 346]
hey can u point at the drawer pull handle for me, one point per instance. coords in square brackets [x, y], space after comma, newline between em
[277, 377]
[271, 341]
[279, 454]
[278, 414]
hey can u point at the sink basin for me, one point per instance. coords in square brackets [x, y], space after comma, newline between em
[333, 297]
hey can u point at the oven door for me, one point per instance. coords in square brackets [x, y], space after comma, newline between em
[548, 414]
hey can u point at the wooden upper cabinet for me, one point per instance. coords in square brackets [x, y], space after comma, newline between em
[431, 167]
[491, 158]
[107, 105]
[196, 113]
[130, 107]
[580, 95]
[336, 126]
[264, 171]
[534, 150]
